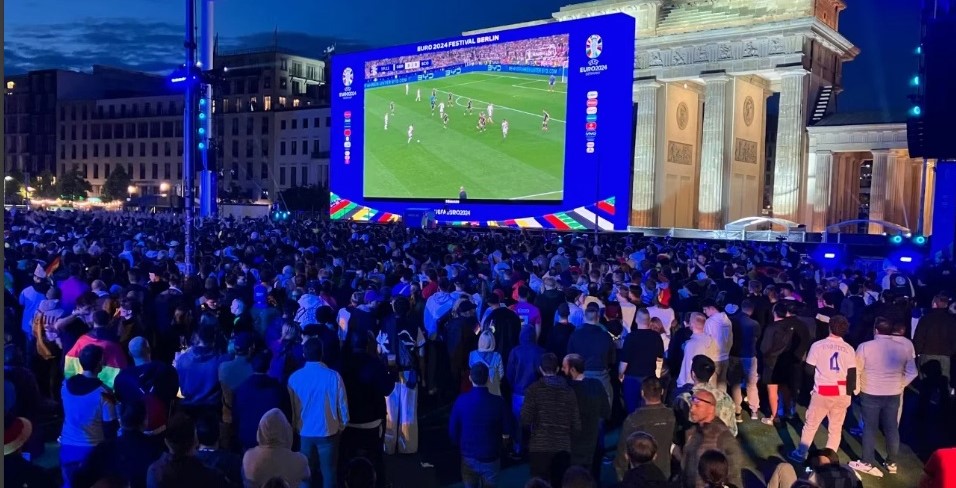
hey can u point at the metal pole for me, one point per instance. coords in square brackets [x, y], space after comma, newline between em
[207, 188]
[922, 198]
[189, 139]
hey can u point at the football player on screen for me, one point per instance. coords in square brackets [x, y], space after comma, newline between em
[551, 83]
[441, 109]
[469, 107]
[504, 128]
[386, 120]
[544, 120]
[491, 112]
[418, 94]
[450, 98]
[391, 107]
[406, 89]
[411, 134]
[444, 119]
[433, 101]
[481, 122]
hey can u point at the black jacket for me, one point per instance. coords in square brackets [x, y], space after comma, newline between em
[936, 334]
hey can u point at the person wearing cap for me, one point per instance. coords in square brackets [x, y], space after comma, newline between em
[559, 259]
[592, 342]
[30, 299]
[198, 370]
[147, 377]
[17, 471]
[233, 373]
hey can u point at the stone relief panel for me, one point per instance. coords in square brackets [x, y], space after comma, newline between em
[745, 151]
[679, 153]
[719, 52]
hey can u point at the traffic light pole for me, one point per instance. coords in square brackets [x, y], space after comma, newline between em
[189, 138]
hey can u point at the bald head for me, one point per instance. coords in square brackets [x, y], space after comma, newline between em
[703, 407]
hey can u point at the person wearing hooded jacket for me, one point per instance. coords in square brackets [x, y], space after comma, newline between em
[274, 457]
[198, 369]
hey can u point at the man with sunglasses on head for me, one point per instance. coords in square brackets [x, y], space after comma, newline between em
[708, 433]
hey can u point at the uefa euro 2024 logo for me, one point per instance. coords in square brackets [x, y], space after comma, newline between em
[594, 46]
[347, 77]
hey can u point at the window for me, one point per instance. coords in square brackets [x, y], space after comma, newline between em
[281, 150]
[292, 178]
[167, 171]
[72, 132]
[172, 107]
[131, 131]
[253, 104]
[107, 131]
[235, 149]
[265, 125]
[265, 147]
[155, 149]
[310, 72]
[179, 128]
[315, 122]
[83, 112]
[168, 129]
[62, 131]
[305, 176]
[63, 151]
[295, 124]
[267, 81]
[282, 99]
[179, 148]
[328, 121]
[147, 110]
[96, 150]
[112, 111]
[83, 136]
[248, 171]
[282, 176]
[225, 105]
[235, 126]
[235, 170]
[155, 171]
[282, 125]
[250, 148]
[284, 64]
[264, 174]
[129, 152]
[295, 148]
[179, 171]
[239, 86]
[249, 126]
[129, 170]
[315, 147]
[295, 102]
[167, 149]
[142, 149]
[305, 123]
[119, 150]
[154, 130]
[142, 130]
[106, 170]
[106, 150]
[86, 171]
[95, 132]
[96, 171]
[142, 171]
[73, 112]
[63, 114]
[253, 85]
[84, 152]
[267, 103]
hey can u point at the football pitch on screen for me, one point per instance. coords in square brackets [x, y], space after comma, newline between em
[528, 164]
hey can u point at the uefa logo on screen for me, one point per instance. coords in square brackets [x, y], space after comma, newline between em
[347, 77]
[594, 46]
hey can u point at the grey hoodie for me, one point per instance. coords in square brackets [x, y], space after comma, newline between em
[274, 457]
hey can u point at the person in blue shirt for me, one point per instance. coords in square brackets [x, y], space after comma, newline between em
[551, 83]
[521, 372]
[476, 426]
[433, 100]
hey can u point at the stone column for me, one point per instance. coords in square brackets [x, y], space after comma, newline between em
[878, 189]
[645, 153]
[713, 161]
[818, 182]
[791, 128]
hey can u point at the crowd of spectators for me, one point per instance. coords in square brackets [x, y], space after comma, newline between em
[299, 353]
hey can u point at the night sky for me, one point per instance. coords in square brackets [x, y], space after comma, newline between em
[147, 34]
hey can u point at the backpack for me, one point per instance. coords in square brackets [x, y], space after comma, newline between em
[157, 412]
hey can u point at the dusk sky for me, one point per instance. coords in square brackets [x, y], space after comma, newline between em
[148, 34]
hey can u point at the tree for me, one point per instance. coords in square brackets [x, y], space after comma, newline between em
[13, 185]
[116, 186]
[73, 186]
[305, 198]
[45, 185]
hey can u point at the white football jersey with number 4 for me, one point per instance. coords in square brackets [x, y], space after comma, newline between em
[831, 358]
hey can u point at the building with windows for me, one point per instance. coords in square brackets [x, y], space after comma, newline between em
[302, 150]
[31, 105]
[94, 122]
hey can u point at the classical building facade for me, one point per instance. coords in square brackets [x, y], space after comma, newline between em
[704, 72]
[859, 169]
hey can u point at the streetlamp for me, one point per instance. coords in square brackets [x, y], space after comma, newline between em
[8, 178]
[163, 189]
[130, 190]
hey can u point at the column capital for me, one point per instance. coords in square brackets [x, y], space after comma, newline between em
[792, 71]
[721, 77]
[880, 152]
[823, 153]
[647, 84]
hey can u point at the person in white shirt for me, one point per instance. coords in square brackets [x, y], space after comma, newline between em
[386, 120]
[886, 365]
[834, 381]
[699, 343]
[320, 412]
[719, 327]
